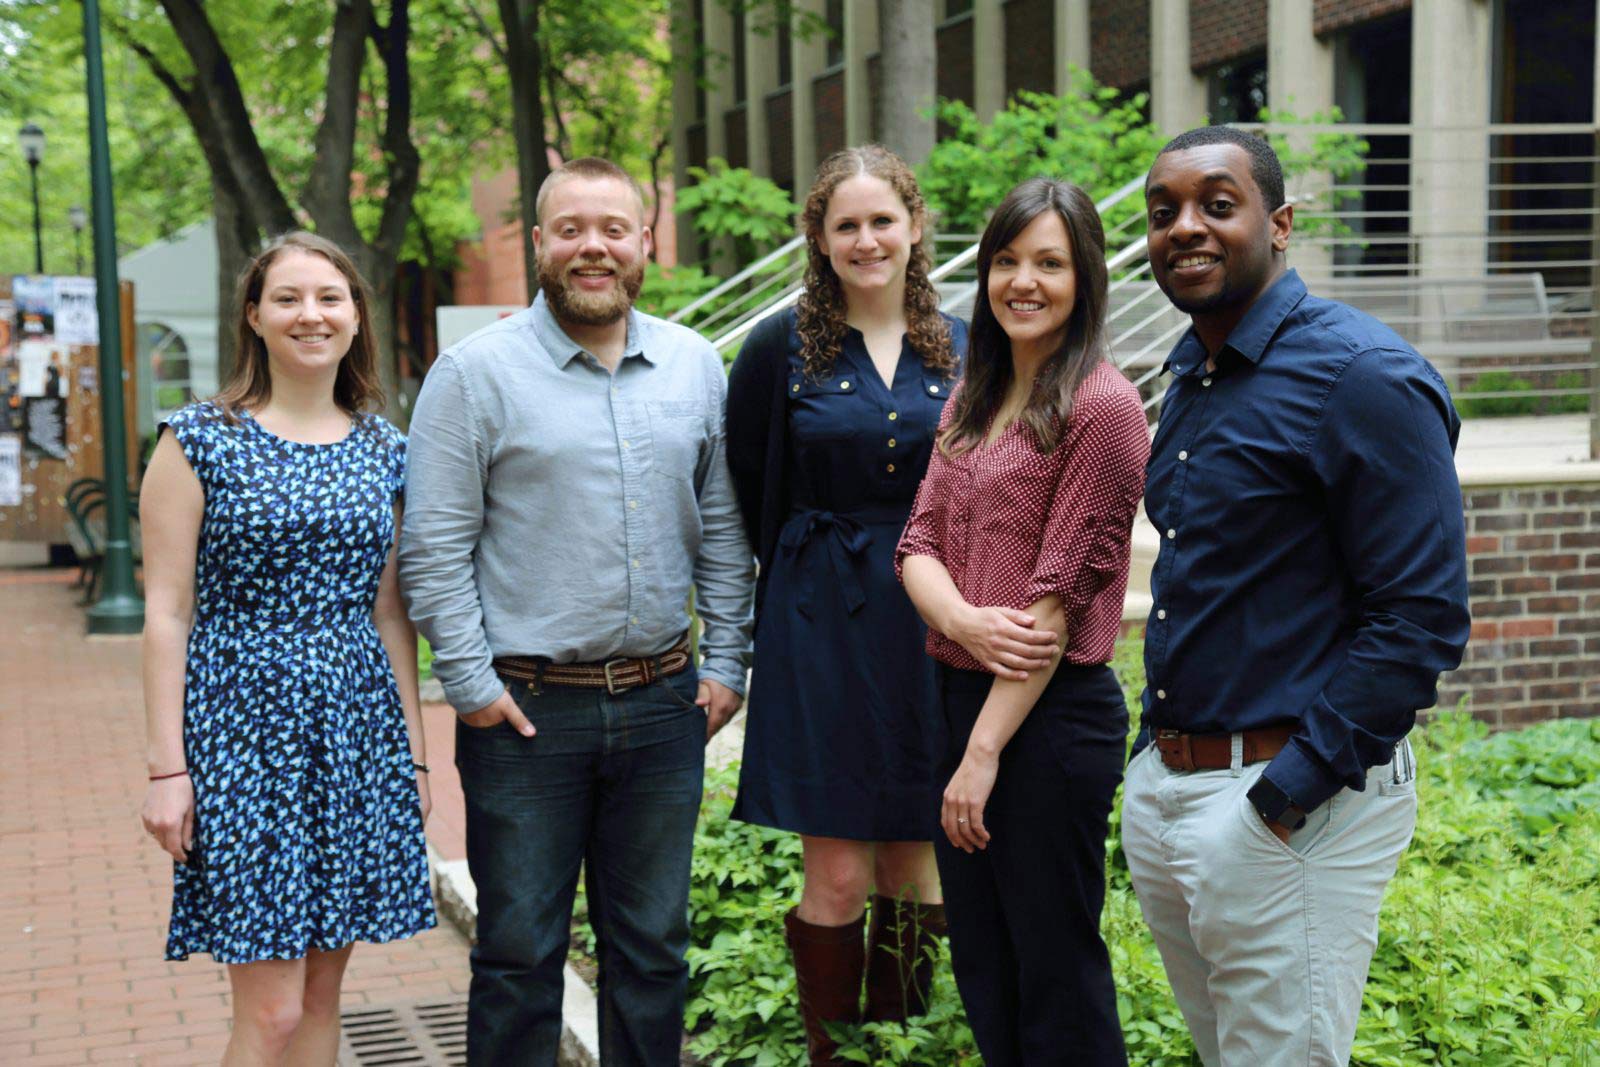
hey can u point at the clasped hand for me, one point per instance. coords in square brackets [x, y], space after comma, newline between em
[1006, 641]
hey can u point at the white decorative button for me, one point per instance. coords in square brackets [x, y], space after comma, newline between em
[625, 443]
[933, 389]
[893, 415]
[1161, 694]
[1171, 534]
[1183, 457]
[1161, 613]
[633, 505]
[794, 388]
[1206, 382]
[635, 564]
[633, 620]
[844, 385]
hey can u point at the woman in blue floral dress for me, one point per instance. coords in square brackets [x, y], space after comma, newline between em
[287, 773]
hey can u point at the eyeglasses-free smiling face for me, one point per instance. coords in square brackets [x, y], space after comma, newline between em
[1212, 237]
[867, 234]
[592, 247]
[1032, 286]
[307, 317]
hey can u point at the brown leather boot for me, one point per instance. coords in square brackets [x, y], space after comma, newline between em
[900, 957]
[828, 964]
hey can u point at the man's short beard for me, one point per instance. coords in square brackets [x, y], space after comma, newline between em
[589, 309]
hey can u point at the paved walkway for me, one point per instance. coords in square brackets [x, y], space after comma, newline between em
[84, 895]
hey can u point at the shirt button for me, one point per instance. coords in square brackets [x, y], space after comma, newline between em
[1161, 613]
[844, 385]
[891, 468]
[1161, 694]
[1183, 457]
[893, 415]
[1206, 382]
[934, 389]
[891, 442]
[633, 620]
[1171, 534]
[635, 564]
[625, 443]
[794, 388]
[633, 505]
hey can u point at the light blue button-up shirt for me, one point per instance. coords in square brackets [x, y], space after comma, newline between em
[555, 509]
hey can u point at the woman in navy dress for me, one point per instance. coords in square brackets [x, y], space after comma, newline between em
[831, 415]
[287, 773]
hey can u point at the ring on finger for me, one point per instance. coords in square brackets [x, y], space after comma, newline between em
[961, 820]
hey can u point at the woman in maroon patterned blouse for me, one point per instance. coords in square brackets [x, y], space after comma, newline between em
[1021, 528]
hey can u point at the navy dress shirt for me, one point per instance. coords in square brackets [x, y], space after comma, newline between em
[1313, 552]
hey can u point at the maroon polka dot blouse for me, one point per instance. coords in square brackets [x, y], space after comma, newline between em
[1013, 525]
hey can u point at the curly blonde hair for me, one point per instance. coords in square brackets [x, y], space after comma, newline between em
[821, 309]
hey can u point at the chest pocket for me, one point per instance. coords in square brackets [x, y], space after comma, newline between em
[677, 438]
[827, 410]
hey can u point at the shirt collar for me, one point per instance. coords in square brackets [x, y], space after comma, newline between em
[563, 349]
[1253, 333]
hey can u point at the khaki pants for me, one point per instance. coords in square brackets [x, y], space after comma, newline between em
[1266, 944]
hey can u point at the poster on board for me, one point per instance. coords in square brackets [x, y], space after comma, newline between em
[35, 300]
[8, 316]
[10, 470]
[45, 432]
[42, 369]
[77, 317]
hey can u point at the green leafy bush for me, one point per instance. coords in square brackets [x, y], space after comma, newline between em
[752, 212]
[1488, 954]
[1472, 403]
[668, 290]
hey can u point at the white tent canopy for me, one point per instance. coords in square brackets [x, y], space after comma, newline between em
[175, 314]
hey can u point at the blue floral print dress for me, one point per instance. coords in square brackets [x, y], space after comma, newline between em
[308, 828]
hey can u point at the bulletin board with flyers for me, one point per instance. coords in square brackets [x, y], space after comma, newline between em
[50, 400]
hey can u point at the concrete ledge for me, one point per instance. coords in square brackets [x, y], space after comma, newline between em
[1479, 476]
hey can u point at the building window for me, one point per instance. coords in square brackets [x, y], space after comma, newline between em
[835, 16]
[739, 92]
[162, 349]
[785, 52]
[1237, 91]
[952, 8]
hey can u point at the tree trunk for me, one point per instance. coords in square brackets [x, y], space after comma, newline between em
[907, 91]
[520, 18]
[236, 242]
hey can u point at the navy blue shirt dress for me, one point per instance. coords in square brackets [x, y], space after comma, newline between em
[844, 729]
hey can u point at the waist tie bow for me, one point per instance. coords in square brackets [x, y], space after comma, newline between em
[843, 538]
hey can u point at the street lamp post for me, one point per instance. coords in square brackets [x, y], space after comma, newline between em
[79, 219]
[31, 137]
[120, 610]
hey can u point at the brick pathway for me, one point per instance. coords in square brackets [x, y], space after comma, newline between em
[84, 895]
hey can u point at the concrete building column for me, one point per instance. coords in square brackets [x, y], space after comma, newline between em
[860, 41]
[760, 79]
[683, 116]
[1451, 52]
[1300, 80]
[1072, 41]
[808, 57]
[1177, 94]
[720, 94]
[988, 58]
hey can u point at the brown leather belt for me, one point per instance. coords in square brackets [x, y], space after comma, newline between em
[1214, 752]
[615, 676]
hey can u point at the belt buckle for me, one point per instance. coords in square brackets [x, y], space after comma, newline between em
[611, 682]
[1184, 754]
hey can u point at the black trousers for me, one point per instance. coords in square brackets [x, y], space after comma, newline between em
[1024, 913]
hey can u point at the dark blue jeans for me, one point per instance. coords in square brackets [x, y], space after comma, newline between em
[613, 783]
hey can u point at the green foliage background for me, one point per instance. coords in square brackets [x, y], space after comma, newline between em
[1488, 953]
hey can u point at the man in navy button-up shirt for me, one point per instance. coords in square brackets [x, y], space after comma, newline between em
[1310, 588]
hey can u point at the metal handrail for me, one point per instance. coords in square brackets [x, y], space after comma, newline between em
[785, 249]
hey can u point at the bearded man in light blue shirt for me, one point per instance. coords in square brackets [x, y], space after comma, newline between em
[566, 491]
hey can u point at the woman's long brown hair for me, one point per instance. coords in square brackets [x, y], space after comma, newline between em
[988, 371]
[821, 310]
[356, 388]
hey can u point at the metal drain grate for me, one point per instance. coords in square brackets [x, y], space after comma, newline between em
[428, 1033]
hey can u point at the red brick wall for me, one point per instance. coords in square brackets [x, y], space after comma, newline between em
[1220, 30]
[1030, 48]
[1119, 42]
[1534, 569]
[1330, 16]
[827, 96]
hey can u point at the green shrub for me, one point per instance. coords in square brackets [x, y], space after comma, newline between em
[1488, 953]
[752, 212]
[667, 291]
[1472, 403]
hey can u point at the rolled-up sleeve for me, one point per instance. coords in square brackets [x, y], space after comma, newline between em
[1088, 532]
[446, 471]
[724, 567]
[1384, 455]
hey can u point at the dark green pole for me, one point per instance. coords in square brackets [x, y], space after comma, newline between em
[119, 609]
